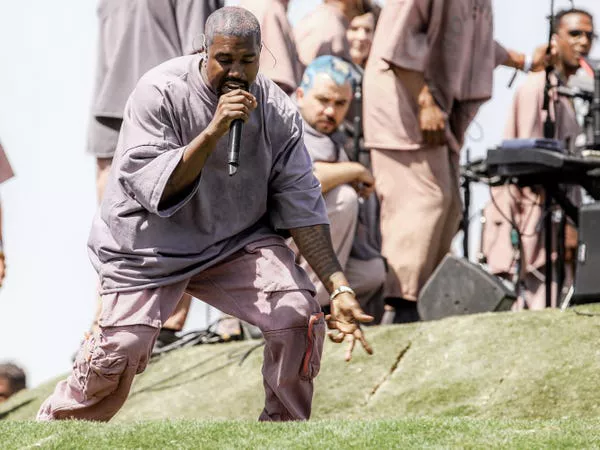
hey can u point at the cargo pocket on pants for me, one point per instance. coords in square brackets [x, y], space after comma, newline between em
[97, 373]
[311, 364]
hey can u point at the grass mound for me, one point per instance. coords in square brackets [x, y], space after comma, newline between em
[488, 370]
[331, 434]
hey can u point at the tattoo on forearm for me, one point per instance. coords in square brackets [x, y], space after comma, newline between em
[315, 246]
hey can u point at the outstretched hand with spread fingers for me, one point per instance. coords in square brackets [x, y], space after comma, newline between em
[346, 317]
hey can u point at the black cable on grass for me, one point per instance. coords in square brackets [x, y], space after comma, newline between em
[585, 313]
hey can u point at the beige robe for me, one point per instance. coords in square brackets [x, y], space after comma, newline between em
[420, 213]
[279, 58]
[322, 32]
[451, 42]
[525, 206]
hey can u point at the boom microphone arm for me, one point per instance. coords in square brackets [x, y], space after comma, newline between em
[549, 124]
[593, 118]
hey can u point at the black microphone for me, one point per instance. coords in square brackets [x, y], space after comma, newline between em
[235, 137]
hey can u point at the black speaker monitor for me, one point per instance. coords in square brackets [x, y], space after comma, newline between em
[587, 273]
[458, 287]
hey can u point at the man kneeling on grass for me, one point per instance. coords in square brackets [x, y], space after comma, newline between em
[173, 221]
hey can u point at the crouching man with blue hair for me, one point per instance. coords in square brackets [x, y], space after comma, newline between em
[323, 99]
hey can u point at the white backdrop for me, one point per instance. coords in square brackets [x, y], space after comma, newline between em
[47, 54]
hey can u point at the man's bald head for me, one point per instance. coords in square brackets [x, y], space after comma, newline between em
[234, 22]
[232, 48]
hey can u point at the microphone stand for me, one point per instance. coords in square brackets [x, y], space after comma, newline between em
[593, 117]
[549, 133]
[549, 125]
[466, 185]
[357, 122]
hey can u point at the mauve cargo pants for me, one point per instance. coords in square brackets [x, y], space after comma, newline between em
[260, 284]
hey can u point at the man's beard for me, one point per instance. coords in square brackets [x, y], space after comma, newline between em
[321, 124]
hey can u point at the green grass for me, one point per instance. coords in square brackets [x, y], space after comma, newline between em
[383, 434]
[527, 365]
[513, 380]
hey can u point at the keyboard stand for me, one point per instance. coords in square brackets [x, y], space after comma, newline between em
[548, 243]
[553, 192]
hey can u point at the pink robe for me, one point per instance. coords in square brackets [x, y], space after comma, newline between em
[279, 58]
[322, 32]
[451, 41]
[525, 205]
[134, 36]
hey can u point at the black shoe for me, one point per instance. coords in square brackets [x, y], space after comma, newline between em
[165, 337]
[405, 311]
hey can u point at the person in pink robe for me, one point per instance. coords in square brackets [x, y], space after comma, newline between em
[323, 31]
[174, 220]
[279, 58]
[6, 173]
[360, 35]
[431, 67]
[134, 36]
[524, 206]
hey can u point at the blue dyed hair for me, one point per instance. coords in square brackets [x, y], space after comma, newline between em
[336, 68]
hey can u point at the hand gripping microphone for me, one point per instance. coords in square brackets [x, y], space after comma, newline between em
[235, 137]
